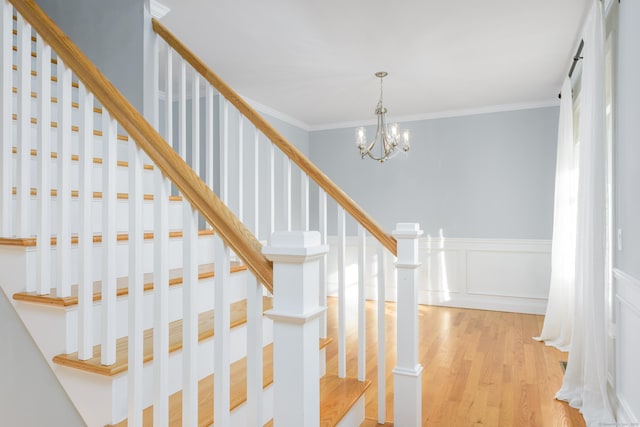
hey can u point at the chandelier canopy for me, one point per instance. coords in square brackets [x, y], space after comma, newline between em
[387, 139]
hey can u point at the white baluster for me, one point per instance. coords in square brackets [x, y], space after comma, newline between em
[287, 191]
[224, 151]
[63, 247]
[136, 287]
[254, 353]
[342, 310]
[322, 228]
[85, 235]
[6, 42]
[190, 317]
[168, 120]
[161, 300]
[256, 183]
[362, 314]
[195, 124]
[182, 111]
[44, 165]
[222, 339]
[240, 169]
[295, 327]
[209, 162]
[382, 344]
[109, 234]
[407, 375]
[23, 184]
[272, 190]
[304, 182]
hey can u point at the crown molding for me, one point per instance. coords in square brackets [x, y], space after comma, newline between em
[265, 109]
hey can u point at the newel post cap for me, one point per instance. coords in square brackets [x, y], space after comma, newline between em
[294, 246]
[407, 230]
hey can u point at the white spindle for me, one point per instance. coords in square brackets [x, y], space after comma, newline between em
[322, 228]
[190, 317]
[287, 191]
[304, 182]
[224, 151]
[256, 183]
[182, 111]
[63, 247]
[209, 162]
[43, 248]
[85, 237]
[362, 314]
[272, 190]
[161, 301]
[109, 233]
[136, 287]
[222, 339]
[195, 124]
[240, 168]
[254, 353]
[342, 310]
[23, 184]
[6, 42]
[382, 345]
[407, 375]
[168, 117]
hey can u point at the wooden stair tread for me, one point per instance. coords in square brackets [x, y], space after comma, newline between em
[75, 158]
[97, 238]
[74, 128]
[337, 396]
[238, 392]
[205, 271]
[205, 330]
[370, 422]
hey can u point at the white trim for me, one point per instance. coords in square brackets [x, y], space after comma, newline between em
[264, 109]
[439, 115]
[157, 9]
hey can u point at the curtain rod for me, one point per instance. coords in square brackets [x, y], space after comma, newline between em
[576, 58]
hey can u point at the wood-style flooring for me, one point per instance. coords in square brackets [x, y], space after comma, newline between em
[481, 368]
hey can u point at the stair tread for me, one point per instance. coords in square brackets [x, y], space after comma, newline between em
[337, 396]
[205, 330]
[97, 238]
[205, 271]
[370, 422]
[341, 388]
[75, 158]
[74, 128]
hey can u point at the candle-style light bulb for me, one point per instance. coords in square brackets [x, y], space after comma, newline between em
[361, 137]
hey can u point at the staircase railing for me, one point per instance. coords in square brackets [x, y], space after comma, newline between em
[44, 150]
[225, 115]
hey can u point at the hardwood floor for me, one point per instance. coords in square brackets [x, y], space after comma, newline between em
[481, 368]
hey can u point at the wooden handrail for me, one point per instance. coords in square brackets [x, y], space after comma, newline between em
[280, 141]
[217, 214]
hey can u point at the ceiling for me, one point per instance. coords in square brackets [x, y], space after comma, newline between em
[314, 61]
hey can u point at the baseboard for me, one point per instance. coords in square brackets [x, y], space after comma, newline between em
[488, 274]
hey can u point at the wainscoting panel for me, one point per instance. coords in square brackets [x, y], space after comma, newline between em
[489, 274]
[627, 291]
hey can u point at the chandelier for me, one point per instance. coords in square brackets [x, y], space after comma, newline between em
[387, 139]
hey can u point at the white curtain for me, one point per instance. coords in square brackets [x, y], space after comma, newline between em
[585, 381]
[558, 320]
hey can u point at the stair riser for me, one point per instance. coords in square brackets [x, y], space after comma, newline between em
[176, 210]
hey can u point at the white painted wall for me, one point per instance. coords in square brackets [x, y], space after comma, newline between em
[626, 213]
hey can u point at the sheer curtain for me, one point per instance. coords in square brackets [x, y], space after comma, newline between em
[558, 320]
[585, 381]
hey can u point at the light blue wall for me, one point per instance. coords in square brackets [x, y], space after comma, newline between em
[627, 172]
[480, 176]
[111, 34]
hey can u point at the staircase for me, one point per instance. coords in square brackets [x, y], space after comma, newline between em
[151, 297]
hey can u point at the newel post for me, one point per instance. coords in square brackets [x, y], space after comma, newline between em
[407, 375]
[295, 314]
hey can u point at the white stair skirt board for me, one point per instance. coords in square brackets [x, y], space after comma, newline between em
[490, 274]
